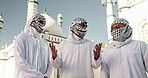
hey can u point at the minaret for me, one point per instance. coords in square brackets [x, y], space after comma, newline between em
[1, 22]
[60, 19]
[124, 9]
[110, 15]
[32, 9]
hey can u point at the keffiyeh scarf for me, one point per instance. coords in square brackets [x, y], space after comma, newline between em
[76, 27]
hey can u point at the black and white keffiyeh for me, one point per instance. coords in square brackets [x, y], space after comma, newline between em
[76, 27]
[121, 21]
[123, 33]
[35, 25]
[37, 22]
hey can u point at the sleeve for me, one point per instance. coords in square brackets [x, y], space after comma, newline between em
[96, 63]
[49, 67]
[21, 63]
[56, 63]
[104, 69]
[145, 56]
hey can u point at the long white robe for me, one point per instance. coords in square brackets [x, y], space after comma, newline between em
[128, 61]
[75, 58]
[32, 57]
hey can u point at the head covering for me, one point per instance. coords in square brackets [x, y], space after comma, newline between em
[121, 21]
[123, 33]
[36, 25]
[76, 27]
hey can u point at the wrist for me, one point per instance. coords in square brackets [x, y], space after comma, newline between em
[53, 58]
[96, 58]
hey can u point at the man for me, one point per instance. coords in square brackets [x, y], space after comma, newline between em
[32, 53]
[75, 56]
[124, 57]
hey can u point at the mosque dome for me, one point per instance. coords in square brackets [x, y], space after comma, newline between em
[51, 25]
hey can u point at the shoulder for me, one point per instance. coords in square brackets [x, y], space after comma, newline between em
[141, 44]
[44, 40]
[63, 42]
[88, 41]
[21, 36]
[138, 42]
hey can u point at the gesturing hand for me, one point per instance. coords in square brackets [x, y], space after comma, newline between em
[53, 50]
[97, 51]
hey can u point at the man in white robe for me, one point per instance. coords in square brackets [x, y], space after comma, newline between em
[76, 56]
[32, 53]
[124, 57]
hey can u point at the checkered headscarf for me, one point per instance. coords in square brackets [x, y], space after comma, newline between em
[123, 33]
[121, 21]
[36, 22]
[76, 27]
[77, 21]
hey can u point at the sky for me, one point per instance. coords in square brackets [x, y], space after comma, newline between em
[14, 13]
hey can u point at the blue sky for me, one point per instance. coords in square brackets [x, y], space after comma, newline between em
[15, 11]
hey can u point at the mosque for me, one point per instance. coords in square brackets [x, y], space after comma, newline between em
[132, 10]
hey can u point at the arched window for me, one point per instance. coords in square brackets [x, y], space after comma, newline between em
[145, 32]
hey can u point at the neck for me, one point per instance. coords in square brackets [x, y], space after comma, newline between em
[34, 32]
[79, 38]
[74, 38]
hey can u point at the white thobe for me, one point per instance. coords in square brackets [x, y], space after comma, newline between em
[32, 57]
[76, 60]
[128, 61]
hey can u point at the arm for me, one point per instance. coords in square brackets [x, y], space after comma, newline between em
[55, 59]
[145, 56]
[21, 63]
[97, 58]
[96, 63]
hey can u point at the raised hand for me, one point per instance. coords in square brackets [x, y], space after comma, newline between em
[53, 50]
[97, 51]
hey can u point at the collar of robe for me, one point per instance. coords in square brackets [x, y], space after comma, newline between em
[117, 44]
[33, 32]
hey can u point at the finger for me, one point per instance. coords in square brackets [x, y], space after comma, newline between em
[56, 52]
[94, 51]
[100, 44]
[54, 48]
[97, 47]
[50, 45]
